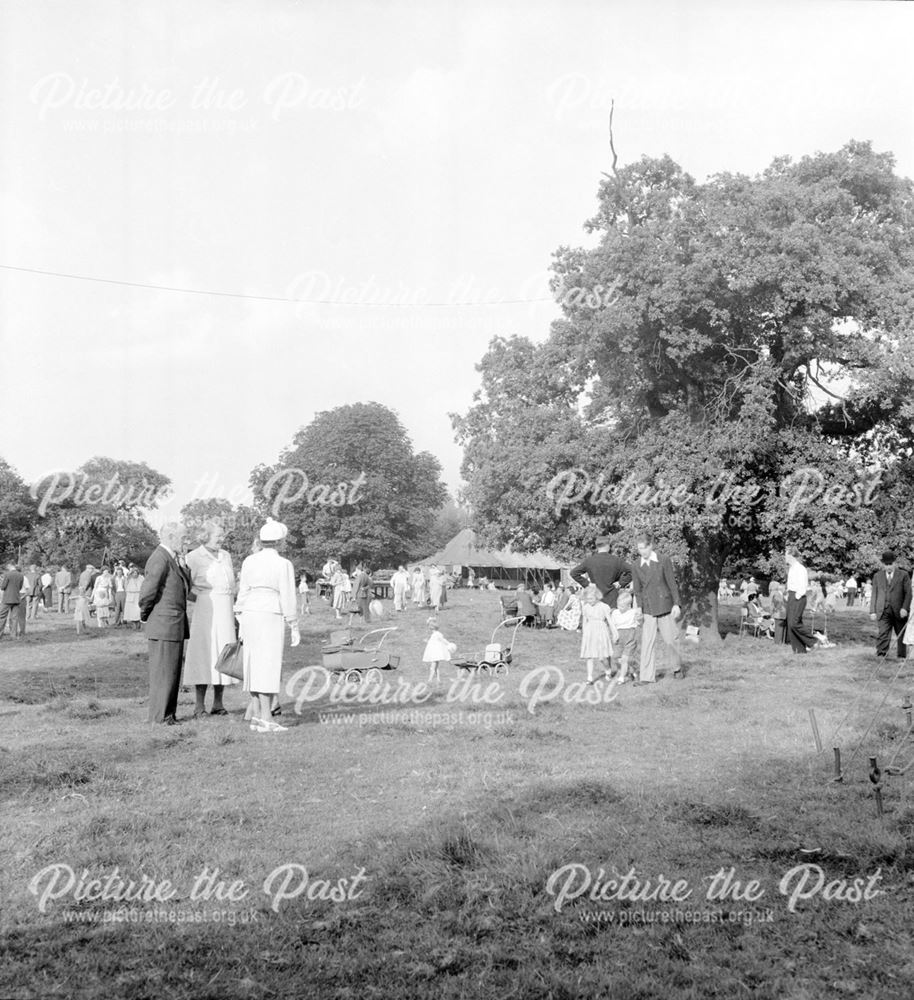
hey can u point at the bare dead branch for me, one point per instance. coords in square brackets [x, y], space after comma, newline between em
[612, 146]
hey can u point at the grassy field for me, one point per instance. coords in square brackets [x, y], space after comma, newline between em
[442, 825]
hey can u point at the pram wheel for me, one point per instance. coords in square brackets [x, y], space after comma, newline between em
[499, 668]
[353, 677]
[372, 676]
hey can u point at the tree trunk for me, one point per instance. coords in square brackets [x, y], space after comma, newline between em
[712, 632]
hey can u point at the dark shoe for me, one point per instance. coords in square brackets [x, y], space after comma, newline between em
[219, 711]
[170, 721]
[277, 710]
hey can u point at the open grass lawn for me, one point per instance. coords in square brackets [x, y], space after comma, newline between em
[443, 824]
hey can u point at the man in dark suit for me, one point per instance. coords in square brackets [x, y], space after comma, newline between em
[657, 597]
[890, 604]
[10, 585]
[607, 572]
[163, 608]
[361, 591]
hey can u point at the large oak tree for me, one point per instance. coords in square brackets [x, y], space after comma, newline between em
[731, 339]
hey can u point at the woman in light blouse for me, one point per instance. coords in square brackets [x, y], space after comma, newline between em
[212, 623]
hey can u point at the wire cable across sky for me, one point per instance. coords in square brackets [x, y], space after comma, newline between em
[266, 298]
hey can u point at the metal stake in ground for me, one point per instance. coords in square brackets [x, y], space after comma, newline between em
[838, 775]
[906, 707]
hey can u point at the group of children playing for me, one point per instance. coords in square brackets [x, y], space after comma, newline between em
[608, 634]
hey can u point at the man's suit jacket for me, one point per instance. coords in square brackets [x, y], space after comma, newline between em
[655, 586]
[897, 596]
[603, 569]
[361, 586]
[11, 584]
[163, 597]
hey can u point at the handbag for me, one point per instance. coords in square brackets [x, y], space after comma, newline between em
[231, 660]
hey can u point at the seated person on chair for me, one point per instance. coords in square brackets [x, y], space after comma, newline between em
[758, 617]
[546, 604]
[526, 609]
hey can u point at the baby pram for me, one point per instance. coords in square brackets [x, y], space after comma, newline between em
[355, 662]
[496, 657]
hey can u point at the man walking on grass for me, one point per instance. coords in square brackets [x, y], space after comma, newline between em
[890, 604]
[800, 638]
[656, 595]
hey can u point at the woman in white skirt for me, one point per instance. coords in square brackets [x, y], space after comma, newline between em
[342, 589]
[435, 586]
[212, 623]
[266, 601]
[419, 593]
[132, 601]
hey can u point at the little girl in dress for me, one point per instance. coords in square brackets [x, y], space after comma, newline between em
[436, 649]
[599, 633]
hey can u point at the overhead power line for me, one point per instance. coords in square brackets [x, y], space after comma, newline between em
[264, 298]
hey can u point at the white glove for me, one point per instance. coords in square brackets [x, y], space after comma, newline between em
[296, 635]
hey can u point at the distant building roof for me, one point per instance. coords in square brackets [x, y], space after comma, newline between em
[462, 550]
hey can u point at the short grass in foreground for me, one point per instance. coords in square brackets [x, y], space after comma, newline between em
[458, 826]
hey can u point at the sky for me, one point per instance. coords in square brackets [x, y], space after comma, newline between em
[404, 170]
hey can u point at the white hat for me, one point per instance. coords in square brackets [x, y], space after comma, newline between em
[273, 531]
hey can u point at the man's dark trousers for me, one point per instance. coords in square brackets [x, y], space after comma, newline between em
[888, 623]
[165, 657]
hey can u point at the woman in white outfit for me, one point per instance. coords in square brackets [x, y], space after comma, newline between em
[266, 601]
[435, 586]
[212, 624]
[132, 603]
[419, 594]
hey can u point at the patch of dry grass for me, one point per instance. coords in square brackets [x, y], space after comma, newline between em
[458, 825]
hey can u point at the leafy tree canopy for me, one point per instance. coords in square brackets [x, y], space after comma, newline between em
[350, 485]
[729, 340]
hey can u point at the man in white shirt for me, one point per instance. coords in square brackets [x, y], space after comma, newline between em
[850, 589]
[801, 639]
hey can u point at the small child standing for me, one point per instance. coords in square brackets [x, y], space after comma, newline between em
[598, 632]
[625, 619]
[436, 649]
[304, 596]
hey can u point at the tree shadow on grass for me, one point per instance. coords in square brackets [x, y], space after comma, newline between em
[465, 905]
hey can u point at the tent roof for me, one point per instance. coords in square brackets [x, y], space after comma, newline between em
[462, 550]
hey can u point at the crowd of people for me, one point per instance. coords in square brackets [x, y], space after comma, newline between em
[352, 593]
[109, 595]
[620, 608]
[826, 593]
[779, 614]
